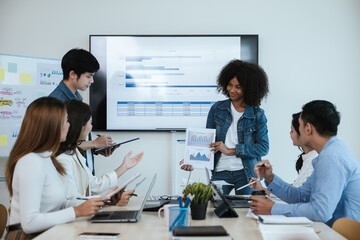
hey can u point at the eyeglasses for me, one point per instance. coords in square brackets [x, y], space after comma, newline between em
[168, 197]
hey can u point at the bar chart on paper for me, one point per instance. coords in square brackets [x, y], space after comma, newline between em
[197, 148]
[200, 157]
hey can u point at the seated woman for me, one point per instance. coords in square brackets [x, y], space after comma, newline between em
[304, 163]
[33, 173]
[78, 179]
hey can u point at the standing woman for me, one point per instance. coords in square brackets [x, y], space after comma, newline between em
[241, 130]
[33, 173]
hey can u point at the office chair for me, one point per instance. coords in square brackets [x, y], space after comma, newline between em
[348, 228]
[3, 217]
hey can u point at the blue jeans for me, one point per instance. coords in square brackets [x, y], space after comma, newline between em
[237, 178]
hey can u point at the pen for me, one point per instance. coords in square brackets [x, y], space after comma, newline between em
[246, 185]
[133, 194]
[84, 198]
[98, 135]
[81, 198]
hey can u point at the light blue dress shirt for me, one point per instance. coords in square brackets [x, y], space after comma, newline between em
[330, 193]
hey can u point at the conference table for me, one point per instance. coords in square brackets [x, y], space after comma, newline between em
[151, 227]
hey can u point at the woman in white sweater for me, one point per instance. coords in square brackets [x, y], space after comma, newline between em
[33, 173]
[304, 163]
[78, 179]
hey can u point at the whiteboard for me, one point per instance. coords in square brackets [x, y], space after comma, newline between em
[22, 80]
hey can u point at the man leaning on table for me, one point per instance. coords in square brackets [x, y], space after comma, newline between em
[333, 190]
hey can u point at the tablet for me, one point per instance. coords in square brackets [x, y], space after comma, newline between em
[124, 185]
[115, 145]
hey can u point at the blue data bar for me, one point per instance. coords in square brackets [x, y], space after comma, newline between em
[168, 86]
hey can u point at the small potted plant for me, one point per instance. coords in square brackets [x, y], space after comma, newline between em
[200, 195]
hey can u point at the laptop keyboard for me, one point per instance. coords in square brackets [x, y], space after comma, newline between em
[124, 214]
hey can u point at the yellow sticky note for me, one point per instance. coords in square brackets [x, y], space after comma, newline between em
[2, 74]
[25, 77]
[3, 141]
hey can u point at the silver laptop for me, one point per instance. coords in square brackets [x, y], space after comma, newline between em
[122, 216]
[235, 201]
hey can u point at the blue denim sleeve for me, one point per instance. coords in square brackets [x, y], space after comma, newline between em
[327, 184]
[261, 143]
[210, 123]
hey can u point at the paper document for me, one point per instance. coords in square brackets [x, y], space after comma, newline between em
[197, 147]
[281, 232]
[281, 219]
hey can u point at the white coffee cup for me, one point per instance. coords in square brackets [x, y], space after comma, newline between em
[165, 208]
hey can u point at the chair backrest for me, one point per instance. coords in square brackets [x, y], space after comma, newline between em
[348, 228]
[3, 219]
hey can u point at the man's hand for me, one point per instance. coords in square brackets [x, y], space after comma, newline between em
[261, 206]
[264, 169]
[257, 186]
[103, 141]
[109, 151]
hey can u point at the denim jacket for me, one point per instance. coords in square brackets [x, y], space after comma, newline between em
[63, 93]
[251, 130]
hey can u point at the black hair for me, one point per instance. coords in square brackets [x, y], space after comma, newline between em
[80, 61]
[79, 114]
[323, 116]
[252, 79]
[296, 125]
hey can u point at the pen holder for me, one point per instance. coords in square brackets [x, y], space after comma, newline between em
[178, 216]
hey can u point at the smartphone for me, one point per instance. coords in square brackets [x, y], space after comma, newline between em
[101, 235]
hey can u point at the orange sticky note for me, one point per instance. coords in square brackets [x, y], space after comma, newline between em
[3, 141]
[25, 77]
[2, 74]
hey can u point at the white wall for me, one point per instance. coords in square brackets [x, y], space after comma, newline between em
[310, 49]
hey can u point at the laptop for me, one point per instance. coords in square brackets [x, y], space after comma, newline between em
[122, 216]
[234, 201]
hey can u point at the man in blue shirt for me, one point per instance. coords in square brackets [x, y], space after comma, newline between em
[333, 190]
[79, 67]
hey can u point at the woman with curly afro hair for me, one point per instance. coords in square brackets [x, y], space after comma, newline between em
[241, 129]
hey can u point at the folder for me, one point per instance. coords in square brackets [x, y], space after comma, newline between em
[205, 231]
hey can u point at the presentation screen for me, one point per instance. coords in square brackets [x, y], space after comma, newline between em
[161, 82]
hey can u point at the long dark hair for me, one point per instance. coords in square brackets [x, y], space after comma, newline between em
[40, 132]
[79, 114]
[296, 125]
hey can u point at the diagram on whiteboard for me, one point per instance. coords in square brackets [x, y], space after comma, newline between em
[22, 80]
[197, 149]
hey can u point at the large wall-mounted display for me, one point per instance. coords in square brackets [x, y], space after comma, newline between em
[161, 82]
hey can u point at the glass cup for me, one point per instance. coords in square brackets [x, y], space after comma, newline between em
[259, 194]
[165, 208]
[178, 216]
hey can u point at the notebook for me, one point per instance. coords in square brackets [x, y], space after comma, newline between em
[122, 216]
[234, 201]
